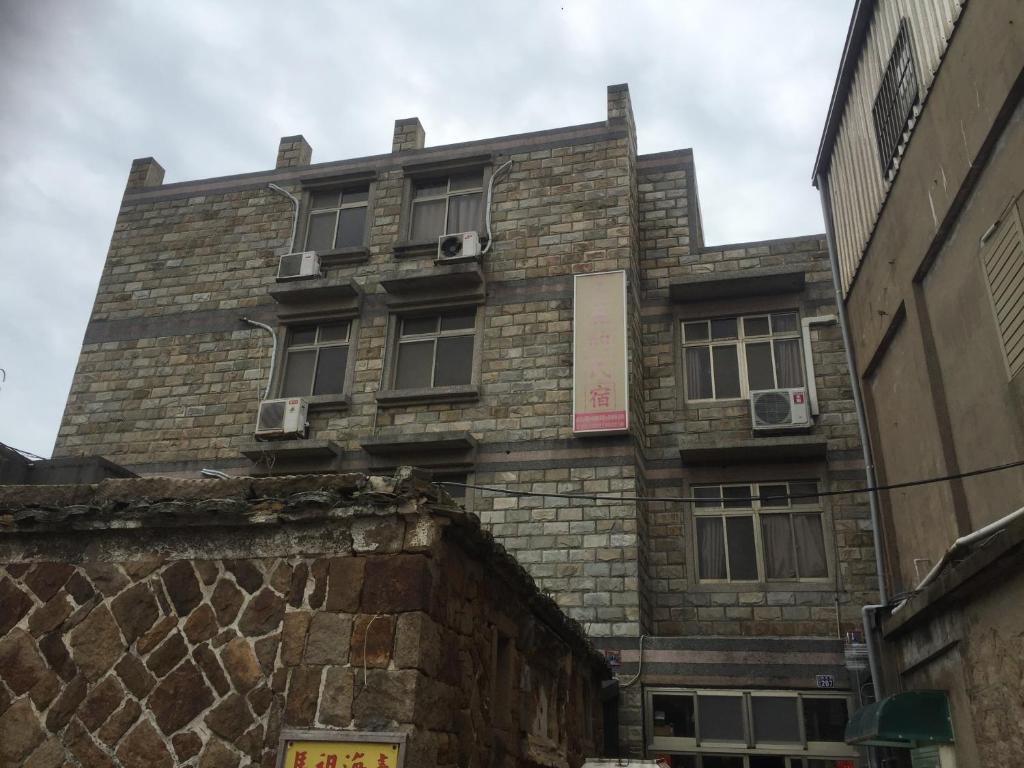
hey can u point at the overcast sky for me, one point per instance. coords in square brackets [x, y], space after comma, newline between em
[208, 88]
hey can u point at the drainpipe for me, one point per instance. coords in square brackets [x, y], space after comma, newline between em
[869, 465]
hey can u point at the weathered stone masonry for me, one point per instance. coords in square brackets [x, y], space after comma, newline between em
[169, 379]
[158, 623]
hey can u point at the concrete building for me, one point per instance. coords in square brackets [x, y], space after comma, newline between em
[920, 170]
[722, 613]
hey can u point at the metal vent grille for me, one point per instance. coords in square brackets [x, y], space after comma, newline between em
[291, 265]
[271, 415]
[773, 408]
[451, 246]
[1003, 259]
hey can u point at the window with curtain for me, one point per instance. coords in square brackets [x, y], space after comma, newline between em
[442, 205]
[730, 357]
[337, 219]
[315, 359]
[759, 532]
[435, 350]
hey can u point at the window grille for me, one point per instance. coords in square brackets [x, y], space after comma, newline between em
[896, 99]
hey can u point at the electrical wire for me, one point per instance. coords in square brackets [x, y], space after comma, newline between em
[691, 500]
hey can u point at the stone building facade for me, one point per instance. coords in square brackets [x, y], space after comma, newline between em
[466, 367]
[153, 622]
[920, 174]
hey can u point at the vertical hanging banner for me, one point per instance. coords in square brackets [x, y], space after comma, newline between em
[600, 380]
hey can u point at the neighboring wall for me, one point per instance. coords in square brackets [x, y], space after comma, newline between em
[859, 190]
[940, 397]
[159, 623]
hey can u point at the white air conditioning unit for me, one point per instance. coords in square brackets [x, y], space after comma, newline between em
[297, 265]
[458, 246]
[780, 409]
[282, 418]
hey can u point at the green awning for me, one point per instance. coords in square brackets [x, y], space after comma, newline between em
[904, 720]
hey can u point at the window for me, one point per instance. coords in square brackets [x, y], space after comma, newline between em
[315, 359]
[756, 532]
[732, 356]
[897, 95]
[337, 219]
[749, 728]
[1002, 256]
[445, 204]
[435, 350]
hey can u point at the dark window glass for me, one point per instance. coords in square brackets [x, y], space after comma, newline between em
[298, 373]
[721, 761]
[338, 332]
[454, 361]
[351, 224]
[673, 716]
[724, 328]
[431, 187]
[303, 334]
[414, 326]
[727, 372]
[737, 497]
[711, 548]
[325, 200]
[767, 761]
[355, 196]
[776, 720]
[807, 490]
[709, 495]
[784, 322]
[759, 366]
[698, 373]
[824, 719]
[321, 231]
[774, 496]
[742, 557]
[459, 322]
[415, 364]
[468, 180]
[721, 718]
[696, 331]
[755, 326]
[330, 370]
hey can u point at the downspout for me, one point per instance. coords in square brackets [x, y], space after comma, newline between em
[295, 216]
[273, 350]
[869, 465]
[867, 611]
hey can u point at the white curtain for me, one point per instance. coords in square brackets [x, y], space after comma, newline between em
[810, 545]
[778, 547]
[711, 546]
[789, 364]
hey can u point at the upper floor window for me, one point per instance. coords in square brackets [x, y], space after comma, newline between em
[756, 531]
[897, 95]
[732, 356]
[442, 205]
[315, 360]
[436, 350]
[337, 219]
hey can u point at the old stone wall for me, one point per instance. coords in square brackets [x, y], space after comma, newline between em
[191, 623]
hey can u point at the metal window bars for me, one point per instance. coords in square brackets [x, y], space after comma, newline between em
[897, 96]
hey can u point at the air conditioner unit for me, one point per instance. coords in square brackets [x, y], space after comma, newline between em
[297, 265]
[457, 246]
[772, 409]
[282, 418]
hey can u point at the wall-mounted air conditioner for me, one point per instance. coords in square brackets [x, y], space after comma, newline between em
[298, 265]
[283, 418]
[772, 409]
[458, 246]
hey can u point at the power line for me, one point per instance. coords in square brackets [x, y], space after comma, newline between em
[691, 500]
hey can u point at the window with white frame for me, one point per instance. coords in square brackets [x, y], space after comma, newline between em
[729, 357]
[716, 728]
[337, 219]
[759, 531]
[435, 350]
[315, 359]
[442, 205]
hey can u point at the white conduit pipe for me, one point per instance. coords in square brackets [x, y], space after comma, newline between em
[639, 668]
[295, 217]
[964, 541]
[812, 384]
[490, 192]
[273, 350]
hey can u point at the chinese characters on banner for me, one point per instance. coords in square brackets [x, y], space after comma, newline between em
[340, 754]
[600, 398]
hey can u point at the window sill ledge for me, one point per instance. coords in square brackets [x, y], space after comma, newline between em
[340, 257]
[466, 393]
[329, 402]
[409, 249]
